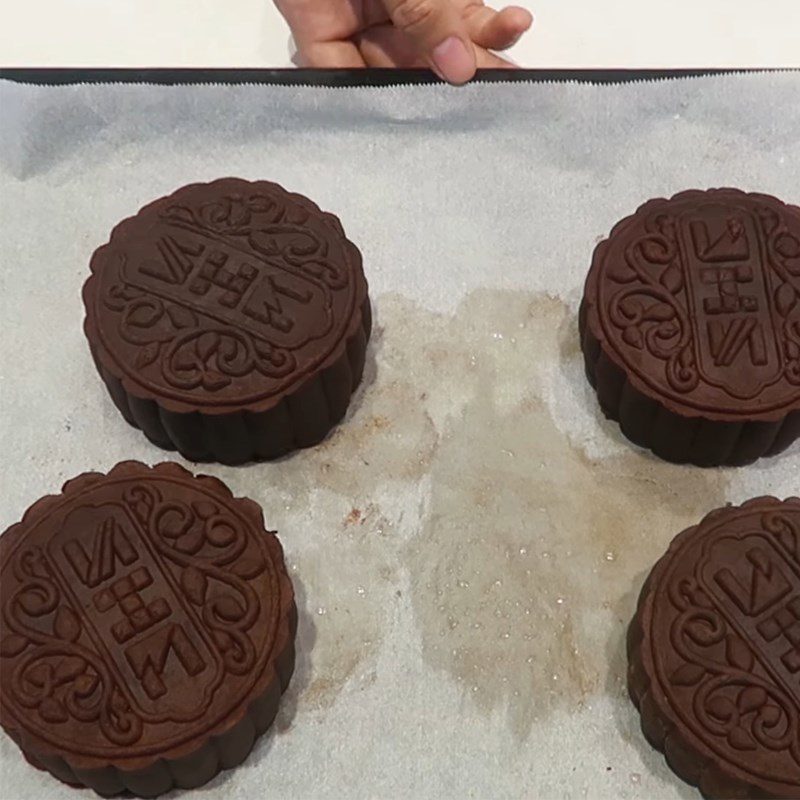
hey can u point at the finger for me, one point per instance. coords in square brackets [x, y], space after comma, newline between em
[386, 46]
[497, 30]
[439, 33]
[330, 55]
[314, 21]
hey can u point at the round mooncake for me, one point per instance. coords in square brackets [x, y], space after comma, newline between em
[714, 652]
[229, 320]
[147, 630]
[690, 326]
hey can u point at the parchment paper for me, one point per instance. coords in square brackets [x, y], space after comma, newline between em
[468, 546]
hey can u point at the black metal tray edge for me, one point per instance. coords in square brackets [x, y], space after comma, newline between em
[338, 78]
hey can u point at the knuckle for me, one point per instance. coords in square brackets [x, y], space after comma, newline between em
[414, 16]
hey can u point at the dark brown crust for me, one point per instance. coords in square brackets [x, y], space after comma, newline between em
[681, 436]
[301, 419]
[680, 439]
[298, 417]
[688, 758]
[194, 762]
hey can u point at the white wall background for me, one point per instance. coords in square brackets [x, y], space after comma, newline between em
[252, 33]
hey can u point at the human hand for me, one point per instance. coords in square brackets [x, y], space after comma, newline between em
[453, 37]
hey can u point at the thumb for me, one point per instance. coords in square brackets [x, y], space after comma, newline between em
[439, 33]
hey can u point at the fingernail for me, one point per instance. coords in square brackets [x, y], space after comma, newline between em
[453, 61]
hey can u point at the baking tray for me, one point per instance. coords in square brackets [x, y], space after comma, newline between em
[446, 649]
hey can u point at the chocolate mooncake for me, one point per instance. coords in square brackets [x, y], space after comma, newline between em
[714, 652]
[690, 326]
[147, 630]
[229, 320]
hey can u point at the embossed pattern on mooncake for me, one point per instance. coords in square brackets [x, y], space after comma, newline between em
[714, 652]
[147, 629]
[229, 320]
[690, 326]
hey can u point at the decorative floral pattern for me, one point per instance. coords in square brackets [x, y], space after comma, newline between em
[57, 671]
[726, 680]
[55, 674]
[732, 700]
[209, 548]
[650, 310]
[783, 251]
[649, 304]
[189, 351]
[268, 226]
[226, 294]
